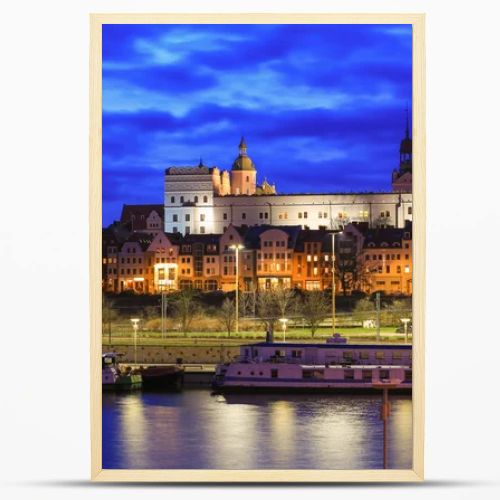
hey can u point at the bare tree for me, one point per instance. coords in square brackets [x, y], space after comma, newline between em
[247, 303]
[226, 315]
[267, 309]
[108, 315]
[315, 309]
[185, 309]
[284, 298]
[350, 269]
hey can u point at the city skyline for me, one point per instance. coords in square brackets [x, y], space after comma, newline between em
[327, 99]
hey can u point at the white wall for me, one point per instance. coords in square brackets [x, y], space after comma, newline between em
[44, 127]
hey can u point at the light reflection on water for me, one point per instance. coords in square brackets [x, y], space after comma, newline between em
[196, 430]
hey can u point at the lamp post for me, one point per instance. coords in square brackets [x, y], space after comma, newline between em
[237, 249]
[283, 322]
[405, 322]
[162, 291]
[333, 283]
[135, 326]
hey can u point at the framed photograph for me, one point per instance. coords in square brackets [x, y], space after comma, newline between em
[257, 243]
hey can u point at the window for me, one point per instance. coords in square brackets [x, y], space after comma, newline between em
[410, 210]
[202, 217]
[260, 215]
[175, 218]
[248, 179]
[379, 355]
[300, 215]
[224, 216]
[196, 199]
[188, 229]
[243, 215]
[266, 215]
[172, 199]
[305, 215]
[182, 199]
[187, 218]
[202, 229]
[205, 199]
[174, 229]
[274, 373]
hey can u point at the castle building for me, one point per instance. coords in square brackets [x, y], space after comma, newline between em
[202, 200]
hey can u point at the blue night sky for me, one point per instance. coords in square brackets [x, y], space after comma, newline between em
[322, 107]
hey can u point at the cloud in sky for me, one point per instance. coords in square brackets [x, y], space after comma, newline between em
[322, 106]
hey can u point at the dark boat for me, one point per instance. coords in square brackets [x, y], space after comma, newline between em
[162, 377]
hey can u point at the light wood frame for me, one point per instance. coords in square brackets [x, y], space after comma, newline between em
[418, 107]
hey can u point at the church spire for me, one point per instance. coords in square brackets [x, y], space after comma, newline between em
[407, 123]
[243, 147]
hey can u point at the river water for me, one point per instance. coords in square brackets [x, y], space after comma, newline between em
[196, 430]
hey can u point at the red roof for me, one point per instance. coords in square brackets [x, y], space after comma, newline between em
[137, 215]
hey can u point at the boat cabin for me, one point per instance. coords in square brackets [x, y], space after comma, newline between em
[327, 354]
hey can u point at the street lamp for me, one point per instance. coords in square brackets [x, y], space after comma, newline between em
[283, 322]
[333, 282]
[405, 322]
[161, 283]
[135, 326]
[237, 249]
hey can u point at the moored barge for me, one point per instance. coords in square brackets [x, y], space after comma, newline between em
[332, 367]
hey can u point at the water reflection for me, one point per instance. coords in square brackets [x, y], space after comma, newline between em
[195, 430]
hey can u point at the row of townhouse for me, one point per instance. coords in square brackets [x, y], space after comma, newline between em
[366, 259]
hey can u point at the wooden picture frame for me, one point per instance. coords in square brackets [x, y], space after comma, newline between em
[95, 215]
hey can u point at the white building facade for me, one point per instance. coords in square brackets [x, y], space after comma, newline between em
[201, 200]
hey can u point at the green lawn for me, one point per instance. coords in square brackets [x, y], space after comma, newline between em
[357, 334]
